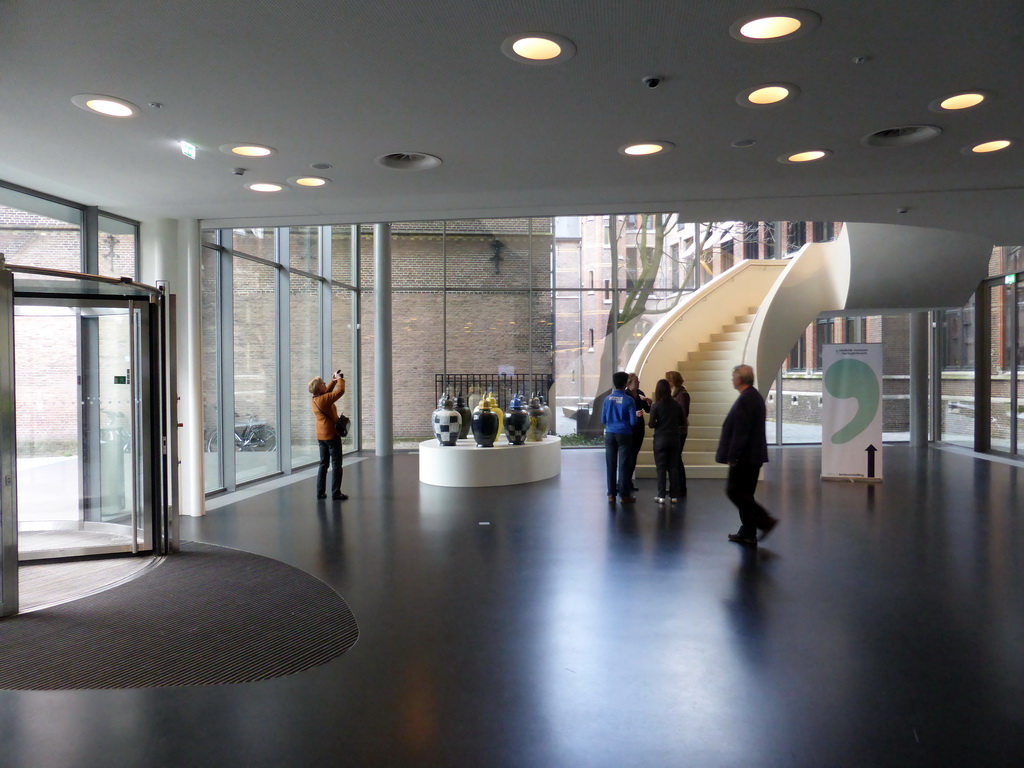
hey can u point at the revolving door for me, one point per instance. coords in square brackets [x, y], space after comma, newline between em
[85, 410]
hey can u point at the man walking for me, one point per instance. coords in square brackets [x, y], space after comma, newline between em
[618, 416]
[744, 448]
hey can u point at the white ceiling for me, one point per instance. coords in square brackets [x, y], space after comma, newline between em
[329, 81]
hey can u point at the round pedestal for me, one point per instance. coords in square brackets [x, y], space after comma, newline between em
[464, 465]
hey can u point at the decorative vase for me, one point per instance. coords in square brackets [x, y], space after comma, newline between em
[547, 413]
[447, 421]
[493, 402]
[517, 421]
[485, 425]
[465, 413]
[538, 421]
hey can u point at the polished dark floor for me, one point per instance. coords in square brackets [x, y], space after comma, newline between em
[878, 626]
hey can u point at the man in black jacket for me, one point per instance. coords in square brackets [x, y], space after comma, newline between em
[744, 448]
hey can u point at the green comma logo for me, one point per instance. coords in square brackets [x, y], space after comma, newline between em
[847, 378]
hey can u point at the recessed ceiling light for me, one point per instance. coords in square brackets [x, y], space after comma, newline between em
[767, 95]
[538, 48]
[105, 105]
[248, 150]
[321, 166]
[646, 148]
[260, 186]
[782, 24]
[959, 101]
[309, 181]
[743, 143]
[901, 136]
[807, 156]
[408, 161]
[990, 146]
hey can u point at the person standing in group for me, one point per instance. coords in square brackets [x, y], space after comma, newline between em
[681, 396]
[618, 416]
[326, 413]
[643, 405]
[666, 416]
[744, 448]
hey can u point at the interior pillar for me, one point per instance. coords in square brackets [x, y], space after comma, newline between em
[382, 339]
[918, 379]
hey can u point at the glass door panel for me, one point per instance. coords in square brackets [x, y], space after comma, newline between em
[78, 457]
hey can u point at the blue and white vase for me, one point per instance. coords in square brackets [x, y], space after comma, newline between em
[447, 421]
[517, 421]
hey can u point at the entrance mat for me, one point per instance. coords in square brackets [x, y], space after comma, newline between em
[205, 616]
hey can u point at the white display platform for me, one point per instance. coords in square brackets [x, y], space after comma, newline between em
[466, 466]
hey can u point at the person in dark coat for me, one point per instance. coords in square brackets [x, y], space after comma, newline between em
[681, 396]
[666, 416]
[643, 405]
[744, 448]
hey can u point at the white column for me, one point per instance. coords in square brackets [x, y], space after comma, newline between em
[171, 256]
[918, 379]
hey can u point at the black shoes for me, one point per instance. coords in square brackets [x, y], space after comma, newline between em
[768, 528]
[747, 541]
[321, 496]
[339, 497]
[627, 499]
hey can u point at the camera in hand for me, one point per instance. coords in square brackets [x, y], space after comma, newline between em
[339, 374]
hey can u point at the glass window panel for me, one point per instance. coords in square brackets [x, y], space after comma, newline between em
[1002, 356]
[894, 334]
[583, 364]
[417, 358]
[341, 353]
[1019, 406]
[417, 255]
[117, 248]
[38, 233]
[955, 337]
[800, 399]
[255, 241]
[487, 334]
[341, 255]
[255, 345]
[304, 354]
[366, 271]
[304, 249]
[488, 254]
[542, 253]
[214, 478]
[368, 375]
[569, 270]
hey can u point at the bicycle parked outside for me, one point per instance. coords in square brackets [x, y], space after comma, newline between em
[251, 434]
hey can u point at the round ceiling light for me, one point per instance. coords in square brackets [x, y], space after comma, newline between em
[261, 186]
[782, 24]
[248, 150]
[990, 146]
[959, 101]
[408, 161]
[538, 48]
[767, 95]
[646, 148]
[105, 105]
[310, 181]
[901, 136]
[806, 156]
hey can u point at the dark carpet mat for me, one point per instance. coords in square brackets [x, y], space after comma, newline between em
[205, 616]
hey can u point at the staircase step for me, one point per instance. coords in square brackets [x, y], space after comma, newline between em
[714, 354]
[729, 336]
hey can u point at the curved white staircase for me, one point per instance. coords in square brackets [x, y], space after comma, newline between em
[870, 267]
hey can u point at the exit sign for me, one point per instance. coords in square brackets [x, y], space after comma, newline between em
[188, 150]
[1009, 279]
